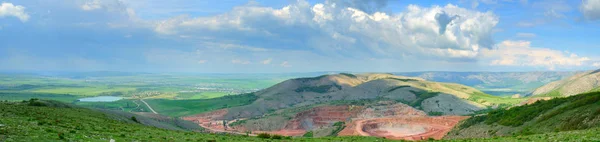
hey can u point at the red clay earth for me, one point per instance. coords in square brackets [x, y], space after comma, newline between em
[403, 128]
[392, 121]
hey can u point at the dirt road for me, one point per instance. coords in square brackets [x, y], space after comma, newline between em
[149, 107]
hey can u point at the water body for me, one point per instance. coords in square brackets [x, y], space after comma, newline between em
[101, 99]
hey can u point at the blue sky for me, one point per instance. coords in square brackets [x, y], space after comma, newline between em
[264, 36]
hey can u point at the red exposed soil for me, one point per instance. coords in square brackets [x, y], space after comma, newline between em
[210, 120]
[403, 128]
[392, 121]
[319, 117]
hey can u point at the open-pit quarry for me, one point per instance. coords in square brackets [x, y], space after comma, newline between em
[403, 128]
[391, 121]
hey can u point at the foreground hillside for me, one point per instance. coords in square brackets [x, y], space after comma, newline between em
[559, 114]
[32, 122]
[382, 105]
[576, 84]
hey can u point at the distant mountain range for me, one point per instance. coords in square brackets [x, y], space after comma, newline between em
[495, 83]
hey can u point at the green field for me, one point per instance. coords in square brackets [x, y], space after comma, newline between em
[85, 91]
[167, 86]
[126, 105]
[177, 108]
[201, 95]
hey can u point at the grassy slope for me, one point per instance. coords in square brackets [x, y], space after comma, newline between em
[18, 96]
[560, 114]
[39, 123]
[126, 105]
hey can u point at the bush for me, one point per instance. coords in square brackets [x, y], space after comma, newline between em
[264, 135]
[277, 137]
[349, 75]
[435, 113]
[35, 102]
[339, 127]
[134, 119]
[308, 134]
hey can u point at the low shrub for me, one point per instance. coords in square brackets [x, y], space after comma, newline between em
[308, 134]
[264, 135]
[277, 137]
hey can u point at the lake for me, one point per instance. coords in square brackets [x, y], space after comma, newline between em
[101, 99]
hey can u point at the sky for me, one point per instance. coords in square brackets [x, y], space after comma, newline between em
[273, 36]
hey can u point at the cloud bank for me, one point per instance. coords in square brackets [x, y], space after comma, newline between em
[520, 53]
[8, 9]
[591, 9]
[341, 28]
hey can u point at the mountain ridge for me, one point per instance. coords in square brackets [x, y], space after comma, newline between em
[576, 84]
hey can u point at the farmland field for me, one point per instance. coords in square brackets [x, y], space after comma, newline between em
[164, 92]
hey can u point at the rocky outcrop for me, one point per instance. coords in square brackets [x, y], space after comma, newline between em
[450, 105]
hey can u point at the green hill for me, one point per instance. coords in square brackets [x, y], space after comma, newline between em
[426, 95]
[560, 114]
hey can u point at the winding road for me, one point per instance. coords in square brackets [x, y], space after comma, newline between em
[148, 106]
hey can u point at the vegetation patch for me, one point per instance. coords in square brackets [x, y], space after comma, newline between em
[307, 79]
[421, 96]
[308, 134]
[403, 80]
[318, 89]
[339, 126]
[349, 75]
[435, 113]
[397, 87]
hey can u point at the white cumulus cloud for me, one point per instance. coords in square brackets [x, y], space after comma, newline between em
[267, 61]
[238, 61]
[591, 9]
[18, 11]
[345, 29]
[91, 5]
[526, 35]
[520, 53]
[285, 64]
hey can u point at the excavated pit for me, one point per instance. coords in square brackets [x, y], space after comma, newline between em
[394, 129]
[404, 128]
[390, 120]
